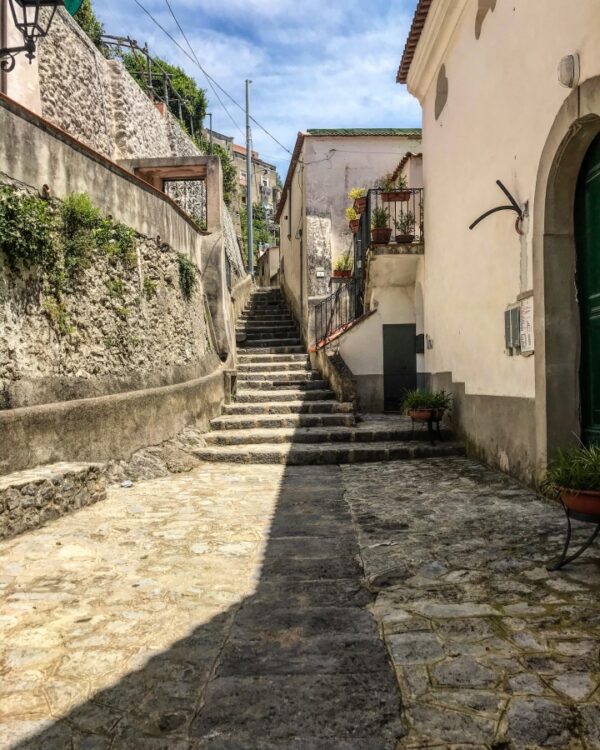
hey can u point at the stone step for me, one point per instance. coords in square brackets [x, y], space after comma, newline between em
[292, 349]
[29, 499]
[271, 385]
[278, 377]
[265, 317]
[266, 307]
[339, 453]
[274, 358]
[290, 407]
[252, 325]
[253, 421]
[284, 394]
[272, 366]
[268, 343]
[279, 333]
[358, 433]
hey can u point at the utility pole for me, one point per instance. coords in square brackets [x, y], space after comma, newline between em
[249, 183]
[210, 147]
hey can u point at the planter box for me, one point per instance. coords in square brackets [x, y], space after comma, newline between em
[360, 204]
[405, 239]
[337, 274]
[395, 196]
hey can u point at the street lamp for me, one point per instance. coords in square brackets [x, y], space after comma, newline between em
[27, 19]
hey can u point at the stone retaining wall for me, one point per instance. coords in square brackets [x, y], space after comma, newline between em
[30, 498]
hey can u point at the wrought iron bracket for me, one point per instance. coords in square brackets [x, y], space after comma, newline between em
[8, 55]
[513, 206]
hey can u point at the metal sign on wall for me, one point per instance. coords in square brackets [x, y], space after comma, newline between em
[526, 326]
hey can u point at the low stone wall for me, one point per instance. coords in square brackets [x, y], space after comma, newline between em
[334, 369]
[240, 294]
[30, 498]
[107, 427]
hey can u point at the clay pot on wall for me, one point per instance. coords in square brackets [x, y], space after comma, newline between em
[381, 236]
[360, 204]
[354, 225]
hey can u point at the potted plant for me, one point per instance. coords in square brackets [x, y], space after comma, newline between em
[406, 228]
[574, 476]
[353, 219]
[423, 405]
[359, 196]
[342, 268]
[393, 189]
[380, 231]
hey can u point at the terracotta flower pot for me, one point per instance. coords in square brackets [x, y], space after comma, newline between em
[381, 236]
[339, 274]
[395, 196]
[360, 204]
[581, 501]
[405, 239]
[355, 225]
[425, 415]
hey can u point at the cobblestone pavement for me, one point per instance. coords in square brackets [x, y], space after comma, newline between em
[226, 609]
[220, 609]
[490, 650]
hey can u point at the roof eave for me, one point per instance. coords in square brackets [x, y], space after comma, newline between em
[412, 40]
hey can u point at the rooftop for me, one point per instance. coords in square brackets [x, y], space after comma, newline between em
[414, 35]
[412, 132]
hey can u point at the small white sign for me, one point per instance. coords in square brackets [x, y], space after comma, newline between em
[320, 272]
[526, 332]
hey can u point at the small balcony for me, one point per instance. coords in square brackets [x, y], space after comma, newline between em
[389, 239]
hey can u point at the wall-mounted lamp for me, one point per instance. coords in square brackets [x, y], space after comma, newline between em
[568, 71]
[27, 19]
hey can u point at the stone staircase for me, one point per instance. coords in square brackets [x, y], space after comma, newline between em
[286, 413]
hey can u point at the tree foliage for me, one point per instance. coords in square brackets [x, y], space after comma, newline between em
[90, 23]
[260, 226]
[187, 88]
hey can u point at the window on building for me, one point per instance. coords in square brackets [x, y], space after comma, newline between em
[264, 180]
[243, 177]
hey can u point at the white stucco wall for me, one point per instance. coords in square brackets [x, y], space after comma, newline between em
[503, 96]
[362, 346]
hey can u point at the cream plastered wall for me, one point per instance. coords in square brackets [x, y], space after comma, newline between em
[362, 346]
[291, 229]
[503, 96]
[334, 165]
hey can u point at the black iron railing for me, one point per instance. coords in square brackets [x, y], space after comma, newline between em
[338, 310]
[398, 213]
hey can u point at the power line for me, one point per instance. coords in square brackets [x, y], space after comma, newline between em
[210, 78]
[176, 43]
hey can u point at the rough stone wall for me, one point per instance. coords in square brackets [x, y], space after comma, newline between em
[125, 329]
[318, 248]
[232, 248]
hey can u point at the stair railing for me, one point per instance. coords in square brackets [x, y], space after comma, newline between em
[336, 311]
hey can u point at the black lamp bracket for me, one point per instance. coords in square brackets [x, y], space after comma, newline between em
[514, 206]
[8, 55]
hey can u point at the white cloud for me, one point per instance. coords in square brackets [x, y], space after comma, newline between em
[313, 64]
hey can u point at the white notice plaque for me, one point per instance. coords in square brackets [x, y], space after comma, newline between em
[527, 342]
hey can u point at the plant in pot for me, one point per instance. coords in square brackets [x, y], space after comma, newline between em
[393, 189]
[359, 196]
[574, 476]
[380, 231]
[423, 405]
[342, 268]
[406, 228]
[353, 219]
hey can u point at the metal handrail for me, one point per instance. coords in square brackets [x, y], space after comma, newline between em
[338, 310]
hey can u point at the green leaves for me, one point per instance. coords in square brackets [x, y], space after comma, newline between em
[574, 469]
[27, 230]
[187, 276]
[424, 399]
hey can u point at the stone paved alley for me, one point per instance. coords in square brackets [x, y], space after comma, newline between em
[227, 609]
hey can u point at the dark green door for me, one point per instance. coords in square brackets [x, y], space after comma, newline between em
[587, 227]
[399, 363]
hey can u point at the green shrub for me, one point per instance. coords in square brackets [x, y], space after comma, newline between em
[422, 398]
[187, 276]
[149, 288]
[343, 263]
[80, 218]
[27, 230]
[117, 241]
[379, 218]
[574, 469]
[115, 287]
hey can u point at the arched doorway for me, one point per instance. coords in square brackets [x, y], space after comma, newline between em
[587, 236]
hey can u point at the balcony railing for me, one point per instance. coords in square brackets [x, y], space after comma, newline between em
[400, 214]
[335, 312]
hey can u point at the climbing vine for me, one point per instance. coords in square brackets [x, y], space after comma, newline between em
[187, 276]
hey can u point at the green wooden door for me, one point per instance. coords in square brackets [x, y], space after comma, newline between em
[587, 227]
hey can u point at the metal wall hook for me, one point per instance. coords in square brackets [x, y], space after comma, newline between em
[514, 206]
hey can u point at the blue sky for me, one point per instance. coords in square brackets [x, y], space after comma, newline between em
[313, 63]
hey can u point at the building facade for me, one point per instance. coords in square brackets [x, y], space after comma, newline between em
[510, 92]
[265, 183]
[313, 228]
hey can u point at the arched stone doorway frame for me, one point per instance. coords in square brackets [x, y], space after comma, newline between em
[556, 323]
